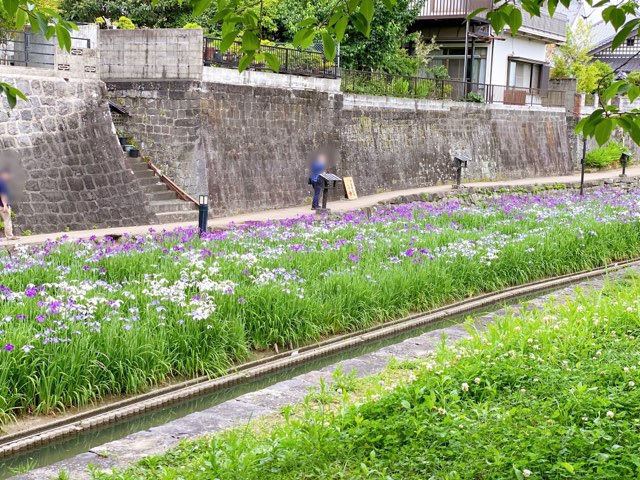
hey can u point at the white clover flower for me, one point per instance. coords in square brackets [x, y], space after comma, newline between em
[610, 414]
[632, 384]
[442, 411]
[465, 387]
[526, 473]
[477, 381]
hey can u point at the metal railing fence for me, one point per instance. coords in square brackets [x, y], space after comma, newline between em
[387, 84]
[292, 61]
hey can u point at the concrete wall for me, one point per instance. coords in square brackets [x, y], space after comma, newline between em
[166, 54]
[252, 143]
[522, 47]
[74, 169]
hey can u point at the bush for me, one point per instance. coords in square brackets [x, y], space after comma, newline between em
[606, 156]
[192, 25]
[125, 23]
[474, 97]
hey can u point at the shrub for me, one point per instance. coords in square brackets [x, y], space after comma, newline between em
[474, 97]
[125, 23]
[606, 156]
[192, 25]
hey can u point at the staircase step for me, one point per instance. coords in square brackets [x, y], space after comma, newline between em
[178, 217]
[144, 181]
[163, 206]
[154, 188]
[163, 194]
[138, 167]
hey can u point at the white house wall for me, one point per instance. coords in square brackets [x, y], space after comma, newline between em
[526, 48]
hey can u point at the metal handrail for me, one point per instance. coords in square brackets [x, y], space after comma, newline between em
[182, 195]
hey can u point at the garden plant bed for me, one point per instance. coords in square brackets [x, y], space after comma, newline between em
[92, 318]
[548, 393]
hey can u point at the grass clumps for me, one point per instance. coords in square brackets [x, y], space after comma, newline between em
[549, 395]
[605, 157]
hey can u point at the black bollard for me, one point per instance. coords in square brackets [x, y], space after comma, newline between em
[203, 213]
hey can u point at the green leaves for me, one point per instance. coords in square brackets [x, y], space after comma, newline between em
[42, 20]
[624, 33]
[273, 61]
[11, 7]
[329, 46]
[304, 38]
[515, 20]
[64, 36]
[12, 94]
[199, 6]
[505, 15]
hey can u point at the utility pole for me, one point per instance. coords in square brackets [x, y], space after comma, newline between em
[582, 162]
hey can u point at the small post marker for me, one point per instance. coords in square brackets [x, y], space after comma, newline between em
[624, 161]
[203, 213]
[461, 162]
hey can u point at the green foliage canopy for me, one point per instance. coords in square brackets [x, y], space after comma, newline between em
[572, 60]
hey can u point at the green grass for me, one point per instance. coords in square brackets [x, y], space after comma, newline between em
[549, 395]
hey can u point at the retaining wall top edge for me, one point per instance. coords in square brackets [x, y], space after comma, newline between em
[254, 78]
[352, 101]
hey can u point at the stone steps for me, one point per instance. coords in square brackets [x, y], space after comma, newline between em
[163, 206]
[163, 201]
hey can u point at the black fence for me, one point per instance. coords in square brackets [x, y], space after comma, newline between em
[26, 49]
[372, 83]
[292, 61]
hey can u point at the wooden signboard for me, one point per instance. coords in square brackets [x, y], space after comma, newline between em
[350, 188]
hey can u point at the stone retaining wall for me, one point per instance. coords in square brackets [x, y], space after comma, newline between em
[74, 169]
[252, 144]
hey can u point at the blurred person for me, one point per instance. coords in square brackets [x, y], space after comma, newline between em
[318, 167]
[5, 205]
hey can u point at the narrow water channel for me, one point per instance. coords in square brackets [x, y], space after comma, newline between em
[81, 443]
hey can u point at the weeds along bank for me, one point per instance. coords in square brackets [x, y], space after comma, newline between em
[552, 394]
[84, 319]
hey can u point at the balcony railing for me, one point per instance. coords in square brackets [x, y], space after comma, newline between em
[386, 84]
[451, 8]
[292, 61]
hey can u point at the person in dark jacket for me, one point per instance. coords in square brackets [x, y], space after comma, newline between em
[318, 167]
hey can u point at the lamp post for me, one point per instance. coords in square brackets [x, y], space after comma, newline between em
[582, 162]
[624, 160]
[203, 213]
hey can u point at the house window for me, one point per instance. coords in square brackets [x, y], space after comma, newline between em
[524, 74]
[631, 42]
[452, 57]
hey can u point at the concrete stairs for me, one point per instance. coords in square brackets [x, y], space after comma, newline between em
[163, 201]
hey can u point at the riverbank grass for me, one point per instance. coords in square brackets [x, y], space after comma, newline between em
[549, 394]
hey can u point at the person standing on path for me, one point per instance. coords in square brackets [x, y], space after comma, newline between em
[318, 167]
[5, 206]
